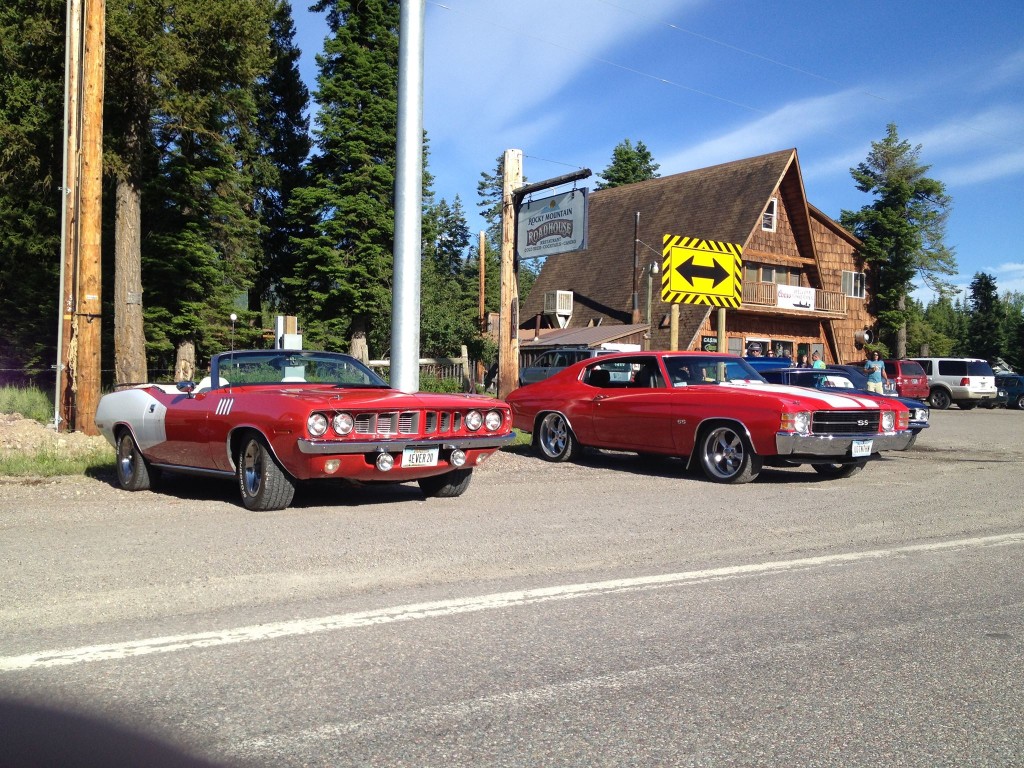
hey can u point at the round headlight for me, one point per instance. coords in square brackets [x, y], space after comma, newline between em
[888, 421]
[343, 423]
[317, 424]
[493, 420]
[802, 422]
[473, 420]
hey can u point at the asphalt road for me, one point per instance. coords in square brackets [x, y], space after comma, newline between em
[611, 612]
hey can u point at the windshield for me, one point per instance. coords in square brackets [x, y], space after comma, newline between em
[286, 366]
[685, 370]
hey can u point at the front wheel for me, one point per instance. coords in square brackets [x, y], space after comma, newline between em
[133, 471]
[837, 471]
[726, 456]
[264, 485]
[448, 485]
[1019, 403]
[939, 399]
[554, 440]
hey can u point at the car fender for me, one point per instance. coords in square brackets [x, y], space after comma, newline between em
[716, 420]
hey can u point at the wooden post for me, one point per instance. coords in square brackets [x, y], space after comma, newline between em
[508, 320]
[723, 344]
[90, 307]
[481, 304]
[66, 365]
[673, 328]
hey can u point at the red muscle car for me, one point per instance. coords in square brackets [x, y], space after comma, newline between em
[274, 417]
[712, 408]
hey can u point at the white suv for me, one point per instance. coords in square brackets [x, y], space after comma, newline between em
[962, 380]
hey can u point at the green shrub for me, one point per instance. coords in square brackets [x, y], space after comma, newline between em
[30, 402]
[436, 384]
[49, 462]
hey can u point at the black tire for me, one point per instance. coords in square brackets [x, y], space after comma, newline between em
[838, 471]
[726, 456]
[448, 485]
[133, 471]
[264, 485]
[913, 440]
[939, 399]
[1019, 403]
[553, 438]
[969, 405]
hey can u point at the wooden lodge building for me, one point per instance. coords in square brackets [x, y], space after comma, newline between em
[758, 203]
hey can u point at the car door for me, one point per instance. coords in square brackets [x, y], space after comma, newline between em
[187, 427]
[635, 414]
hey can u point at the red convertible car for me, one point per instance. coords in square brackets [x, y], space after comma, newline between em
[272, 418]
[712, 408]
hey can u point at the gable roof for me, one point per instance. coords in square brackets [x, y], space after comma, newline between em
[722, 202]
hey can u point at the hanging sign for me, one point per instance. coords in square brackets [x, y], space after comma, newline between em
[552, 225]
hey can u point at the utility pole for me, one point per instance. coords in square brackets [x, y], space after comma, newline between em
[508, 318]
[90, 306]
[78, 367]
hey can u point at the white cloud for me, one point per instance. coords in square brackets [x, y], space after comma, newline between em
[786, 127]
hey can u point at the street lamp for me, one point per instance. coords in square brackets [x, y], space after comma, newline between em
[652, 270]
[233, 318]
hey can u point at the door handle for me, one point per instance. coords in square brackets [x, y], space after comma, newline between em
[599, 397]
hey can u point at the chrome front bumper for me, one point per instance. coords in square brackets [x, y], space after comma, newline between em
[793, 444]
[322, 447]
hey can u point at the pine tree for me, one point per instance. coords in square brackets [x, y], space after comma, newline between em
[282, 100]
[985, 326]
[31, 167]
[901, 232]
[342, 282]
[629, 164]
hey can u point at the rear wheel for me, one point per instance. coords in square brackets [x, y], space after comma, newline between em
[264, 485]
[133, 471]
[554, 440]
[1019, 403]
[448, 485]
[726, 456]
[839, 470]
[939, 399]
[969, 405]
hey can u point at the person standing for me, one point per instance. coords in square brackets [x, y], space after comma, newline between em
[801, 361]
[875, 370]
[817, 361]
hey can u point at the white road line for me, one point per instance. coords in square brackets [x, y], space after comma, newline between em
[412, 612]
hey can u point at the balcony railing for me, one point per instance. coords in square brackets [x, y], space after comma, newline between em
[765, 296]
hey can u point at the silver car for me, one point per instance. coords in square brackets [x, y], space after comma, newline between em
[551, 362]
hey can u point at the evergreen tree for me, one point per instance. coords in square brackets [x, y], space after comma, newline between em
[985, 326]
[948, 322]
[901, 232]
[1013, 319]
[282, 101]
[629, 164]
[31, 168]
[342, 282]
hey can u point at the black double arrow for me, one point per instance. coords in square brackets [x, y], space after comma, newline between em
[716, 273]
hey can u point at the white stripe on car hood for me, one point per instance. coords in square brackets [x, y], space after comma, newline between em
[834, 400]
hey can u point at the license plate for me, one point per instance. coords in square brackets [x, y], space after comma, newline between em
[914, 381]
[861, 448]
[419, 457]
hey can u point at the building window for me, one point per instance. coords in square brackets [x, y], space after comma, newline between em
[768, 217]
[853, 284]
[754, 273]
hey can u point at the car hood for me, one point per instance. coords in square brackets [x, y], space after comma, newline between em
[809, 398]
[389, 398]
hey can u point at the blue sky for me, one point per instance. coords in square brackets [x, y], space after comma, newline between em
[702, 82]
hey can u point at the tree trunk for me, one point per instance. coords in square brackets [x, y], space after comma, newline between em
[129, 337]
[185, 364]
[358, 347]
[901, 332]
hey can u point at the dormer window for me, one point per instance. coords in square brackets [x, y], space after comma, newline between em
[768, 217]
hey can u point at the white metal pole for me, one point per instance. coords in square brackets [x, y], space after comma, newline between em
[405, 313]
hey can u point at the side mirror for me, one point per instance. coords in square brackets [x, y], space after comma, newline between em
[186, 387]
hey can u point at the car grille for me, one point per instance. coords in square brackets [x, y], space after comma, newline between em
[845, 422]
[407, 423]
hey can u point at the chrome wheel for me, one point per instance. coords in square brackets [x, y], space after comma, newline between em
[554, 438]
[132, 470]
[727, 457]
[263, 483]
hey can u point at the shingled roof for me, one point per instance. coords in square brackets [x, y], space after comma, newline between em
[722, 202]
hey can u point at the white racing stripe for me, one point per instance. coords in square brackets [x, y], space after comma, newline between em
[412, 612]
[834, 400]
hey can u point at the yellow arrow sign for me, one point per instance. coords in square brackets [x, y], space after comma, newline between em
[696, 271]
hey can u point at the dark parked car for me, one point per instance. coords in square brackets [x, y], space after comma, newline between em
[847, 382]
[1013, 385]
